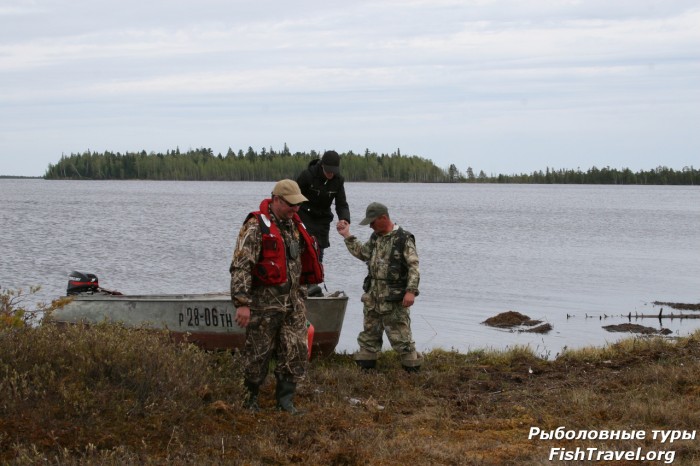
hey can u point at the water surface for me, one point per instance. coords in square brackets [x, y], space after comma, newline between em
[575, 256]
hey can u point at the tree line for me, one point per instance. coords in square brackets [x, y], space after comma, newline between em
[264, 165]
[269, 165]
[656, 176]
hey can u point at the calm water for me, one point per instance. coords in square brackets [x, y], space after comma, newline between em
[568, 255]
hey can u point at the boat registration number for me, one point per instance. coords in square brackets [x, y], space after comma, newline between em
[205, 317]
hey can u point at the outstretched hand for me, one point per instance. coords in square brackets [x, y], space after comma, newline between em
[343, 228]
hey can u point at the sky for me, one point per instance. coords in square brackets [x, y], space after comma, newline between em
[501, 86]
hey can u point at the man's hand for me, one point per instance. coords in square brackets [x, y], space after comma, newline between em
[243, 316]
[343, 228]
[408, 299]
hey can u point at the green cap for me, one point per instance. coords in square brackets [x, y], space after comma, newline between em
[374, 210]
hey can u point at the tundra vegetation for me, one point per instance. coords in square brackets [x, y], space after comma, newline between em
[75, 395]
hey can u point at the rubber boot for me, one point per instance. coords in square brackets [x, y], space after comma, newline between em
[284, 392]
[411, 362]
[366, 364]
[366, 360]
[251, 399]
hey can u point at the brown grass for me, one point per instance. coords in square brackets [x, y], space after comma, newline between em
[109, 395]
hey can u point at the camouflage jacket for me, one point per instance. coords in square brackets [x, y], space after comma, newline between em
[247, 253]
[377, 253]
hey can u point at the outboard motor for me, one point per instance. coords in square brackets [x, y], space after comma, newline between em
[315, 291]
[79, 282]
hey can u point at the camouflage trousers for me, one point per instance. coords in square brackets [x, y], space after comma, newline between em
[395, 320]
[278, 335]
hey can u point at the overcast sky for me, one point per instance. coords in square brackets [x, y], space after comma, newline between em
[502, 86]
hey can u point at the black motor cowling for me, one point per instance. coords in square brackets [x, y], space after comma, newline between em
[79, 282]
[315, 291]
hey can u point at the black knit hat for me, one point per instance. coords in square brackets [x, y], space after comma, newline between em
[331, 161]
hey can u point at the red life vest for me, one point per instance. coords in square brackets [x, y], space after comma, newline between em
[271, 268]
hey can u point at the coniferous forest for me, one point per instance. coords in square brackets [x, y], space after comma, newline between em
[269, 165]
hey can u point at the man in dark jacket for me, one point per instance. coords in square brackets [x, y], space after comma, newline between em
[321, 183]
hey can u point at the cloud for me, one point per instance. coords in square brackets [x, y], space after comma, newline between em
[423, 72]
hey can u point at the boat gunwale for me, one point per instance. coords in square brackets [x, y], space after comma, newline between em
[181, 297]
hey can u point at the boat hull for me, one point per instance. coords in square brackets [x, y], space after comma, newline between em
[207, 320]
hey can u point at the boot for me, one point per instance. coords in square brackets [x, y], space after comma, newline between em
[284, 392]
[365, 359]
[366, 364]
[411, 362]
[251, 399]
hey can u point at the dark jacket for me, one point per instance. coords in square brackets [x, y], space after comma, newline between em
[321, 192]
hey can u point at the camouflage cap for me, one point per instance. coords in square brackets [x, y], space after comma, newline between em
[289, 191]
[374, 210]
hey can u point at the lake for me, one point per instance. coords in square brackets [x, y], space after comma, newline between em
[575, 256]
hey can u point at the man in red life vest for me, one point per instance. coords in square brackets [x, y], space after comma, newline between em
[274, 259]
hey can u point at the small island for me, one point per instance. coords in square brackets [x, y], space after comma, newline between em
[270, 164]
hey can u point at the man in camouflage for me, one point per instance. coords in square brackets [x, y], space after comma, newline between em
[390, 288]
[272, 314]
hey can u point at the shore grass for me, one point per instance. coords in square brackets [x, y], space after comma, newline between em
[74, 395]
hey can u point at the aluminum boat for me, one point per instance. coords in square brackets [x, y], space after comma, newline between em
[206, 320]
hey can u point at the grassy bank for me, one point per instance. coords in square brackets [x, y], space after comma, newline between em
[109, 395]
